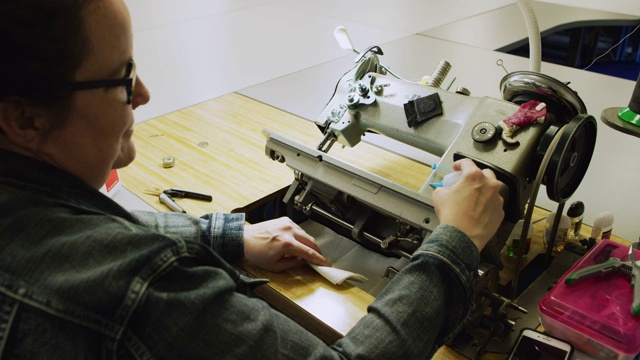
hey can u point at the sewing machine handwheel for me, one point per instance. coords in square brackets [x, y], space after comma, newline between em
[522, 86]
[570, 158]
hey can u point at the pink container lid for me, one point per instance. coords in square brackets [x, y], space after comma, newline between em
[598, 307]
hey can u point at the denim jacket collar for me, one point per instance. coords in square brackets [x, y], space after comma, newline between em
[36, 176]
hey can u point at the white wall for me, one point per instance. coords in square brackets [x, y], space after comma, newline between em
[189, 51]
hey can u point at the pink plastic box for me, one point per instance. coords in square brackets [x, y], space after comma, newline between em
[595, 314]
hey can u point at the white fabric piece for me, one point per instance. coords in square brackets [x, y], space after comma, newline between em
[337, 276]
[358, 263]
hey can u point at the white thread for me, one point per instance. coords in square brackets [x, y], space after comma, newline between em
[613, 47]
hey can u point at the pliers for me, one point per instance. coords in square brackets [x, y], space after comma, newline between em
[166, 197]
[629, 267]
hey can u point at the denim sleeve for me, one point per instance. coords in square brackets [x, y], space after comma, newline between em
[423, 306]
[194, 312]
[221, 232]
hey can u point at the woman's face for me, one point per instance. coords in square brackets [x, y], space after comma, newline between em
[97, 135]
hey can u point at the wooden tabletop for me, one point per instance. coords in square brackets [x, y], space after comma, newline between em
[218, 147]
[233, 168]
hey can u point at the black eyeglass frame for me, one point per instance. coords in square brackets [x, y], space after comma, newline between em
[128, 82]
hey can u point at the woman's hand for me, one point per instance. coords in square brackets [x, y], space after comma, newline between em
[473, 204]
[280, 244]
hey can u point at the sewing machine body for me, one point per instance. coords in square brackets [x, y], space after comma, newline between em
[393, 219]
[331, 186]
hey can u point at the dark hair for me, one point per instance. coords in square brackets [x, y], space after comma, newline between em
[43, 43]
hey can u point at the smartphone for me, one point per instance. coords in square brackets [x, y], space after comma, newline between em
[534, 345]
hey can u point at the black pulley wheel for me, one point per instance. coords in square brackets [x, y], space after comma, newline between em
[571, 157]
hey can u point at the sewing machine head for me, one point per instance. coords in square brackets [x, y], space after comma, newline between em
[511, 136]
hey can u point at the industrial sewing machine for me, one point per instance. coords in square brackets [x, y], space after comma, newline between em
[392, 219]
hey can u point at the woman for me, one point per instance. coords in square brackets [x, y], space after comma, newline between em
[82, 277]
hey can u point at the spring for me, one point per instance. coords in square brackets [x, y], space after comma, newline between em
[439, 74]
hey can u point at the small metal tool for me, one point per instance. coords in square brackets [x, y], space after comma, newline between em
[168, 162]
[166, 197]
[187, 194]
[635, 273]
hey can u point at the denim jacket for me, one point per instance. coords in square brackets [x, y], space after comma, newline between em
[82, 278]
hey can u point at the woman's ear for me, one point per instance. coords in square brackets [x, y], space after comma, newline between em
[21, 124]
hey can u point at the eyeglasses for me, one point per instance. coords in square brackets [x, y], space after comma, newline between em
[129, 81]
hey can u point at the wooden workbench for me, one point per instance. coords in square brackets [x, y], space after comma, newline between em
[234, 169]
[218, 148]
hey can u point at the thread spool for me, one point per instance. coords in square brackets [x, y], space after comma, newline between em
[513, 243]
[560, 238]
[602, 226]
[575, 214]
